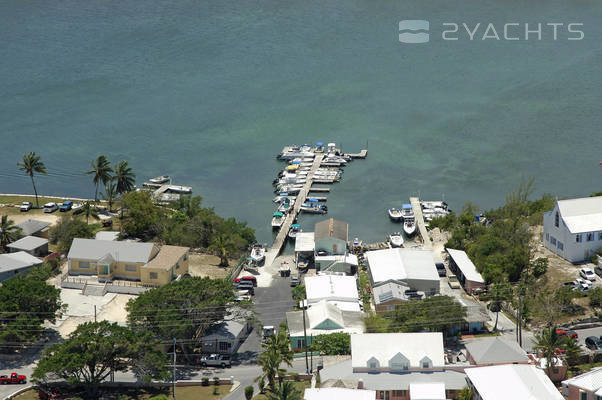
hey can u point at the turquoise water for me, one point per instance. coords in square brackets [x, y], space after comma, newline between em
[209, 92]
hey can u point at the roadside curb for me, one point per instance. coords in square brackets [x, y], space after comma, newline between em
[18, 392]
[235, 385]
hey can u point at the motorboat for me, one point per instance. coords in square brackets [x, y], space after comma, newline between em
[277, 220]
[409, 222]
[295, 228]
[312, 206]
[396, 239]
[258, 253]
[160, 179]
[286, 205]
[290, 189]
[294, 152]
[395, 214]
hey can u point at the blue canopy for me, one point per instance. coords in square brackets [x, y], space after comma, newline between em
[296, 162]
[319, 144]
[295, 226]
[250, 259]
[313, 200]
[406, 206]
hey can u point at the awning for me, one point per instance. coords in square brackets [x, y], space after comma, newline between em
[278, 214]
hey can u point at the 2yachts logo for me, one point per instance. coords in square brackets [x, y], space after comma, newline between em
[418, 31]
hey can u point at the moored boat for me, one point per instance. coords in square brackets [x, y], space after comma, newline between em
[258, 253]
[160, 179]
[409, 222]
[295, 228]
[277, 220]
[286, 205]
[396, 239]
[312, 206]
[394, 214]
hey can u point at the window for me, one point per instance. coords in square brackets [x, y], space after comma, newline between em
[130, 268]
[578, 238]
[583, 395]
[560, 246]
[381, 394]
[425, 364]
[590, 236]
[225, 346]
[555, 370]
[556, 218]
[373, 365]
[84, 264]
[599, 235]
[553, 240]
[153, 275]
[400, 393]
[547, 237]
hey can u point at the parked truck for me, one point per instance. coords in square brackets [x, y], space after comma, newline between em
[13, 378]
[216, 360]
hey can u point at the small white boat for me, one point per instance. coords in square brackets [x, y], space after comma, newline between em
[160, 179]
[295, 228]
[409, 226]
[286, 205]
[395, 214]
[313, 207]
[277, 220]
[258, 253]
[396, 239]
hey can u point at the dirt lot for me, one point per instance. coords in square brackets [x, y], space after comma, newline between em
[208, 265]
[559, 269]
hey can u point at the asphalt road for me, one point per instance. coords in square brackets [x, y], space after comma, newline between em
[584, 333]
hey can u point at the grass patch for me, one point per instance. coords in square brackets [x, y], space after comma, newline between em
[581, 368]
[301, 385]
[182, 393]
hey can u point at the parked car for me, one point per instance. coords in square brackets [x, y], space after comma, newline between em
[249, 278]
[572, 334]
[453, 282]
[66, 206]
[560, 331]
[571, 285]
[26, 206]
[50, 207]
[598, 270]
[414, 294]
[593, 343]
[246, 285]
[587, 273]
[294, 280]
[12, 378]
[583, 284]
[215, 360]
[440, 269]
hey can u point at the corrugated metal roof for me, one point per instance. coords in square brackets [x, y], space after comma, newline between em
[304, 242]
[400, 264]
[28, 243]
[582, 215]
[331, 228]
[18, 260]
[495, 350]
[32, 226]
[469, 270]
[90, 249]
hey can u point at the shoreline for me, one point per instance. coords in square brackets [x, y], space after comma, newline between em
[46, 196]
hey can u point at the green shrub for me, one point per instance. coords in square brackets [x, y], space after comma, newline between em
[595, 297]
[216, 381]
[594, 259]
[249, 392]
[205, 381]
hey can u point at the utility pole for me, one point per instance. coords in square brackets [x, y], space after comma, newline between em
[94, 312]
[312, 355]
[174, 369]
[303, 306]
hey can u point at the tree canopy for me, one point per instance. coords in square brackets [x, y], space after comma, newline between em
[333, 344]
[95, 350]
[183, 309]
[25, 303]
[67, 229]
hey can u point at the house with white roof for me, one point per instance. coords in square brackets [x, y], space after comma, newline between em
[466, 271]
[397, 352]
[320, 319]
[338, 393]
[511, 381]
[34, 245]
[389, 295]
[573, 228]
[13, 264]
[587, 386]
[412, 267]
[340, 290]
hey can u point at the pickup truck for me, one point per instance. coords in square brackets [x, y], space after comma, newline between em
[215, 360]
[13, 378]
[453, 282]
[66, 206]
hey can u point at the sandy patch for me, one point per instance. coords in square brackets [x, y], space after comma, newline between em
[207, 265]
[18, 218]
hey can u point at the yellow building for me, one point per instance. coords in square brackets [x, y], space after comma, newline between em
[145, 262]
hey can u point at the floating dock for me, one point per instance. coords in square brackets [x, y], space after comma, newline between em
[361, 154]
[319, 189]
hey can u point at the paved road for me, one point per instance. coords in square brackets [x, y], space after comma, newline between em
[584, 333]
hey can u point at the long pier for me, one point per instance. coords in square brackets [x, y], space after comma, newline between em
[290, 218]
[419, 220]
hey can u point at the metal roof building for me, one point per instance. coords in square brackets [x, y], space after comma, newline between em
[14, 263]
[33, 227]
[93, 250]
[466, 271]
[36, 246]
[495, 350]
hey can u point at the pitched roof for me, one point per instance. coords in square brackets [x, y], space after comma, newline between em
[106, 235]
[384, 346]
[339, 393]
[582, 215]
[167, 257]
[590, 381]
[28, 243]
[512, 381]
[389, 291]
[18, 260]
[427, 391]
[304, 241]
[495, 350]
[331, 228]
[331, 287]
[317, 314]
[90, 249]
[32, 226]
[225, 329]
[469, 270]
[401, 264]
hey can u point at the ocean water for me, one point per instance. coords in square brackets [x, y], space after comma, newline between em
[210, 91]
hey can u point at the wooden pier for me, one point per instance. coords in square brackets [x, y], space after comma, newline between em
[290, 218]
[362, 154]
[319, 189]
[419, 219]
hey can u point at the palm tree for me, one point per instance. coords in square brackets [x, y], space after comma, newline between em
[110, 194]
[9, 232]
[89, 211]
[281, 343]
[465, 394]
[124, 179]
[285, 391]
[498, 294]
[31, 164]
[270, 366]
[223, 246]
[548, 342]
[101, 169]
[278, 351]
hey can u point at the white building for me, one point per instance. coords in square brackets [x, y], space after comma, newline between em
[339, 393]
[427, 391]
[340, 290]
[413, 267]
[397, 352]
[573, 228]
[511, 381]
[587, 386]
